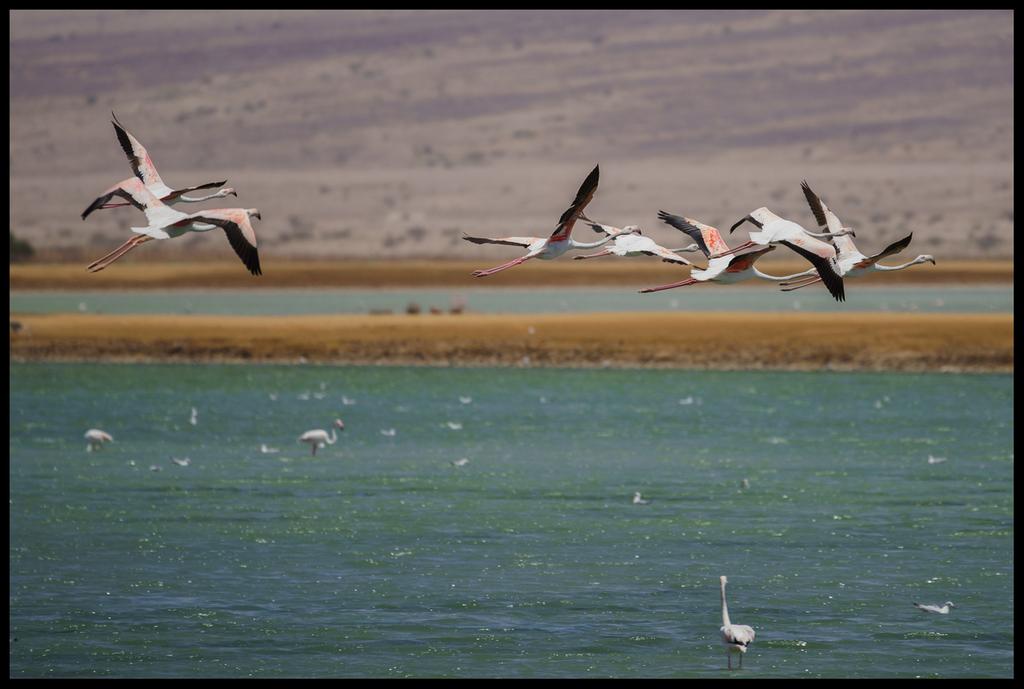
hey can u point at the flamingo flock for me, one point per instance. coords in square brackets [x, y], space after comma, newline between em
[830, 251]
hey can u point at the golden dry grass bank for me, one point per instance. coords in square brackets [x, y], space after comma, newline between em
[790, 341]
[635, 273]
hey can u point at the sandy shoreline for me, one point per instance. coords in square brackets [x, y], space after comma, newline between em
[727, 341]
[634, 273]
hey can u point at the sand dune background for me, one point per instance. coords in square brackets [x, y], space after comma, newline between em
[389, 134]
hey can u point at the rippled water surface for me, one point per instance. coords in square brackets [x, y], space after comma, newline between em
[379, 557]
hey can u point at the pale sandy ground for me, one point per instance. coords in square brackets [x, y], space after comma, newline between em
[379, 134]
[150, 273]
[791, 341]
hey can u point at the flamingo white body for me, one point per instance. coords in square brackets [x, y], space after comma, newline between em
[722, 268]
[941, 610]
[318, 438]
[849, 260]
[167, 223]
[630, 241]
[776, 230]
[145, 170]
[735, 637]
[96, 438]
[560, 240]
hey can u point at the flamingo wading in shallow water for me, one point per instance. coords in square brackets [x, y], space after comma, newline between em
[559, 242]
[851, 262]
[318, 438]
[736, 637]
[142, 166]
[167, 223]
[96, 438]
[721, 267]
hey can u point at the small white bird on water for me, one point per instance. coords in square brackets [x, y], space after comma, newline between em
[944, 610]
[268, 450]
[638, 499]
[454, 425]
[460, 462]
[195, 417]
[935, 460]
[96, 438]
[465, 400]
[736, 637]
[318, 438]
[390, 432]
[181, 462]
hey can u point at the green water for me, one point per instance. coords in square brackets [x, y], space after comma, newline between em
[935, 299]
[380, 558]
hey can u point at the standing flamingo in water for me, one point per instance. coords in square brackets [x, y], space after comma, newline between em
[142, 166]
[736, 637]
[559, 242]
[167, 223]
[96, 438]
[722, 267]
[318, 438]
[851, 262]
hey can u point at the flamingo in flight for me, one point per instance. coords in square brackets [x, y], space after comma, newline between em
[722, 267]
[145, 170]
[559, 242]
[167, 223]
[96, 438]
[776, 230]
[318, 438]
[736, 637]
[630, 241]
[852, 263]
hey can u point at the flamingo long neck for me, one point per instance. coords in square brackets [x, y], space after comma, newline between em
[197, 199]
[725, 609]
[766, 276]
[573, 244]
[879, 266]
[333, 439]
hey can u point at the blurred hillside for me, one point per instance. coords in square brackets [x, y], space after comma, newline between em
[379, 134]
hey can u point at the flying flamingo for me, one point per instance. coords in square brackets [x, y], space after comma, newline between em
[559, 242]
[775, 230]
[96, 438]
[721, 268]
[318, 438]
[167, 223]
[736, 637]
[630, 241]
[142, 166]
[852, 263]
[944, 610]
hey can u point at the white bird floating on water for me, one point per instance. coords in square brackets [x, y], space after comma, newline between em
[154, 467]
[944, 610]
[936, 460]
[745, 484]
[454, 425]
[390, 432]
[460, 462]
[317, 438]
[195, 417]
[96, 438]
[736, 637]
[267, 450]
[347, 401]
[638, 499]
[465, 400]
[181, 462]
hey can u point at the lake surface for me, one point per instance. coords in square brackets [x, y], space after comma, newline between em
[379, 557]
[934, 299]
